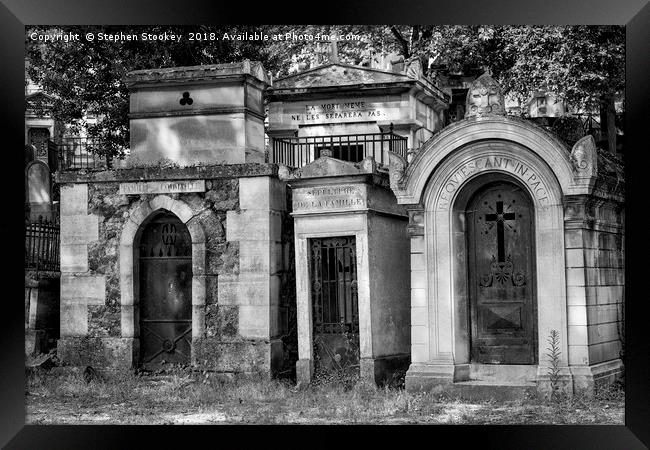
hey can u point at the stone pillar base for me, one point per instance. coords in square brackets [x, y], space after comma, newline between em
[587, 378]
[424, 377]
[304, 371]
[564, 384]
[384, 369]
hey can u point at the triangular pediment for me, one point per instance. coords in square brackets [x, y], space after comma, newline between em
[338, 75]
[326, 166]
[39, 96]
[39, 99]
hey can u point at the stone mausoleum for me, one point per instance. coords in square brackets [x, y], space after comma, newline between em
[367, 235]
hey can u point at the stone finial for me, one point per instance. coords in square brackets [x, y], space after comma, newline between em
[396, 169]
[334, 52]
[584, 156]
[484, 97]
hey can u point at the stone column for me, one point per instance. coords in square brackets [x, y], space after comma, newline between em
[593, 231]
[257, 227]
[80, 288]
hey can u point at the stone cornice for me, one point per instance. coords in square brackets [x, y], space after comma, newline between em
[196, 74]
[198, 112]
[169, 173]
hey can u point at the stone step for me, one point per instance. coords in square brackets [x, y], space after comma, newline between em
[497, 372]
[480, 390]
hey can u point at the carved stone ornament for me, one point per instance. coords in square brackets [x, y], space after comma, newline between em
[484, 97]
[584, 156]
[396, 169]
[413, 68]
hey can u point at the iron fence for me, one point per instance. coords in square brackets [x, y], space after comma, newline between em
[42, 242]
[75, 153]
[299, 151]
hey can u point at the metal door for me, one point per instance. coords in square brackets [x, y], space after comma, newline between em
[501, 274]
[333, 274]
[165, 292]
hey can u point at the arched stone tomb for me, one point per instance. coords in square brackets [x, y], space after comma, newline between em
[512, 236]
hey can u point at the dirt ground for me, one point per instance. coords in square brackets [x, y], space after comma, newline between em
[195, 398]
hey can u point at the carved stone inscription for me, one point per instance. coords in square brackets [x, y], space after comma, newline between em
[327, 198]
[491, 163]
[162, 187]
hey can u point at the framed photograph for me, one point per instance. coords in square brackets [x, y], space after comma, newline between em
[358, 223]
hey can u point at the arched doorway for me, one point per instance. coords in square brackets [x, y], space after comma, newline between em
[501, 274]
[165, 291]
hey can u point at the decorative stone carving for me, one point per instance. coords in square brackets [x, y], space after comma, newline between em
[484, 97]
[368, 164]
[326, 166]
[585, 157]
[413, 67]
[284, 172]
[416, 220]
[397, 170]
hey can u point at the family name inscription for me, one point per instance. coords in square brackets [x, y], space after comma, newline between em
[162, 187]
[329, 198]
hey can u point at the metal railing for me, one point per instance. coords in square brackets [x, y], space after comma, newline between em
[42, 242]
[75, 153]
[299, 151]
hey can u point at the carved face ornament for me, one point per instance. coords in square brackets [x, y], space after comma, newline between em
[484, 97]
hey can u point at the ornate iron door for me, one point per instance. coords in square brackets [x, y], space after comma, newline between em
[38, 137]
[333, 274]
[165, 292]
[501, 274]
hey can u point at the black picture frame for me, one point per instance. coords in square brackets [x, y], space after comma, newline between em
[15, 14]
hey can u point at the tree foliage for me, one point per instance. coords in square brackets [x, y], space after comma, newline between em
[581, 64]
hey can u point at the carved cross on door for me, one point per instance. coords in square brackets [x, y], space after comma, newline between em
[500, 217]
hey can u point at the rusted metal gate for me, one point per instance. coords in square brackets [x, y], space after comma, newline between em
[165, 259]
[502, 278]
[333, 274]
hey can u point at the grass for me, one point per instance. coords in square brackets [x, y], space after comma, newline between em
[186, 397]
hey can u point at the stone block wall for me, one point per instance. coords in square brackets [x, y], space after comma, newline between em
[595, 283]
[238, 317]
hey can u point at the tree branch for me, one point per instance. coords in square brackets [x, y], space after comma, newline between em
[403, 42]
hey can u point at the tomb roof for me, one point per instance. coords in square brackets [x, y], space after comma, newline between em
[337, 74]
[174, 75]
[346, 77]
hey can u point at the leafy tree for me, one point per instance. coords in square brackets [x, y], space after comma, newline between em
[582, 64]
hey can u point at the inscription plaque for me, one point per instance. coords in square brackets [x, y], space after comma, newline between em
[162, 187]
[342, 197]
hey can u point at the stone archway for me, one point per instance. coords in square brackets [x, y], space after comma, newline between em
[444, 342]
[432, 186]
[139, 217]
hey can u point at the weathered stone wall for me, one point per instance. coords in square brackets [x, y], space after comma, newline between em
[235, 323]
[253, 293]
